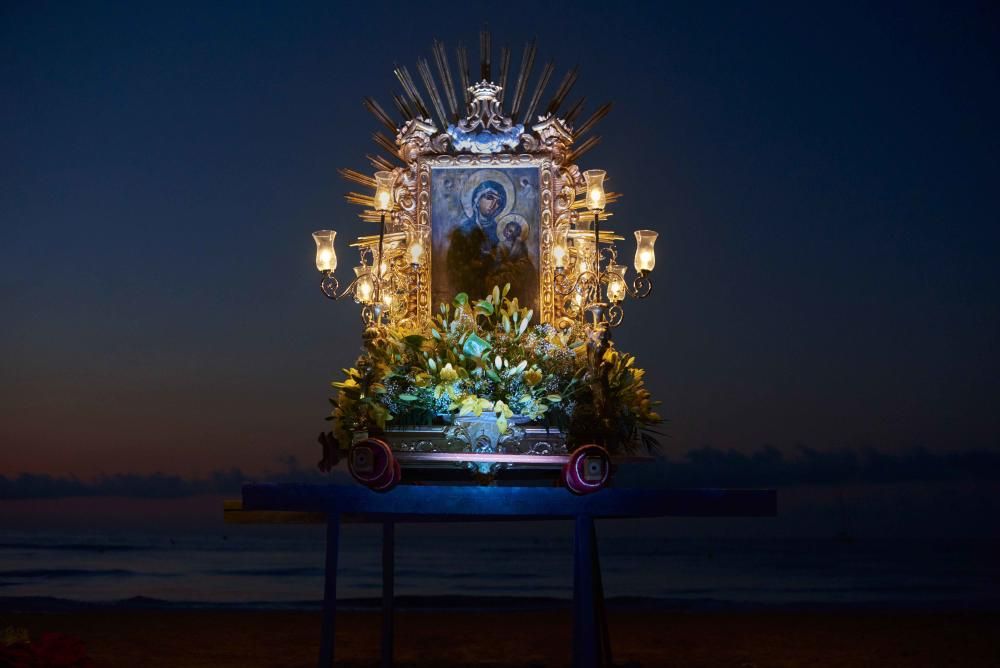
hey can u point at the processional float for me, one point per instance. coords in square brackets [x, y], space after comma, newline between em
[489, 294]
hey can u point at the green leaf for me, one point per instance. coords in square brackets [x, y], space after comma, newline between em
[475, 346]
[414, 340]
[408, 397]
[461, 299]
[485, 307]
[554, 398]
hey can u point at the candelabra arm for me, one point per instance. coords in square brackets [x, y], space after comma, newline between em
[563, 285]
[615, 316]
[329, 285]
[641, 286]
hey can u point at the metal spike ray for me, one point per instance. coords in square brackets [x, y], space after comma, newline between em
[444, 71]
[587, 144]
[385, 143]
[463, 72]
[376, 110]
[504, 68]
[362, 200]
[564, 88]
[485, 53]
[428, 79]
[410, 89]
[594, 119]
[380, 163]
[527, 60]
[406, 97]
[418, 99]
[574, 111]
[403, 108]
[357, 177]
[543, 81]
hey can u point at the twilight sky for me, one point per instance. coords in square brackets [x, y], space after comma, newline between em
[825, 182]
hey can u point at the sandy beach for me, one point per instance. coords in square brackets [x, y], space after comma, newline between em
[220, 639]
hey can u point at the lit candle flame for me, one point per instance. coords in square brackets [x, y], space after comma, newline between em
[616, 290]
[325, 256]
[364, 289]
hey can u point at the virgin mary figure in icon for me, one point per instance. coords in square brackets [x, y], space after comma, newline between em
[488, 248]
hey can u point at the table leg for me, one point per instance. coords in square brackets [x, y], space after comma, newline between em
[330, 591]
[388, 587]
[586, 638]
[602, 616]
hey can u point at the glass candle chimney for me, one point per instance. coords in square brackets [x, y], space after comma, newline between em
[586, 251]
[365, 286]
[559, 249]
[596, 199]
[616, 282]
[419, 241]
[326, 255]
[383, 191]
[645, 256]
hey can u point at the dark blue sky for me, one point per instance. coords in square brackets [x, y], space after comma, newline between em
[825, 182]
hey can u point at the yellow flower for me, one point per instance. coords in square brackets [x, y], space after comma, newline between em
[422, 379]
[500, 408]
[471, 404]
[533, 376]
[448, 373]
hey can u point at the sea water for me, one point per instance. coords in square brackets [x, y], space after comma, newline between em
[282, 566]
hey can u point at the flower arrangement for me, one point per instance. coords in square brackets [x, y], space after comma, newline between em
[485, 357]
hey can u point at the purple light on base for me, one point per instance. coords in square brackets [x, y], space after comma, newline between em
[588, 469]
[372, 464]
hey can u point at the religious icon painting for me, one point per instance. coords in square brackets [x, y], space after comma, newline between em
[485, 231]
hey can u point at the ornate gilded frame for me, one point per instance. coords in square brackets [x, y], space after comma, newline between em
[422, 147]
[547, 181]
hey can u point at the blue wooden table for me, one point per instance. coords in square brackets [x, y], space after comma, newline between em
[411, 503]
